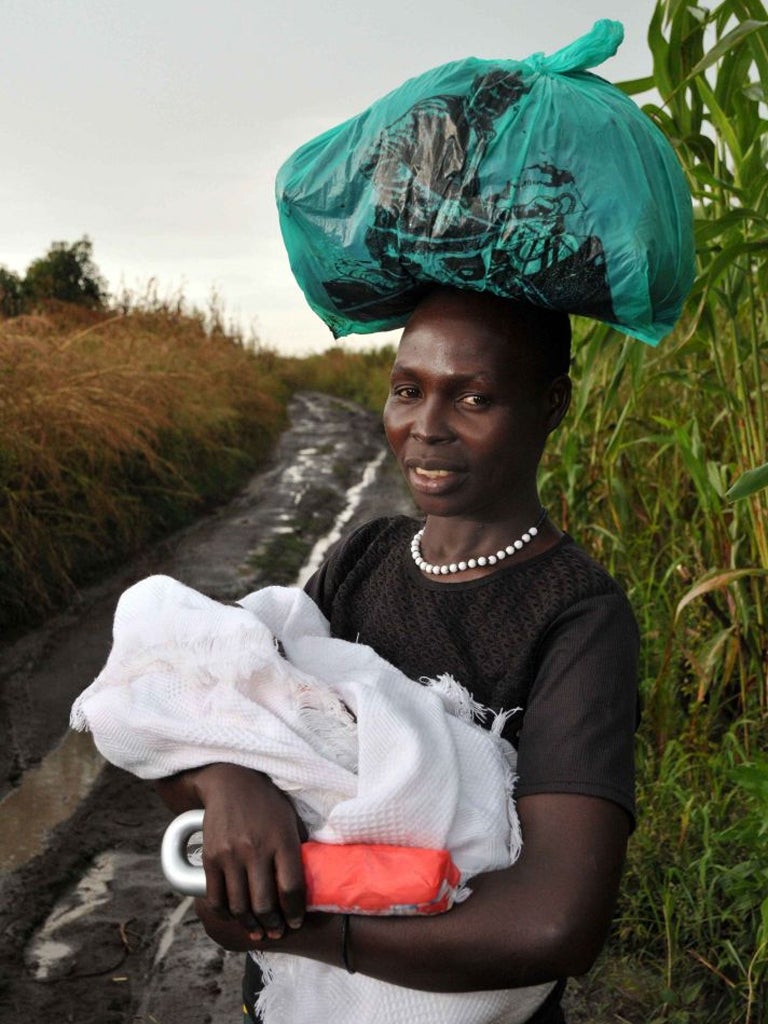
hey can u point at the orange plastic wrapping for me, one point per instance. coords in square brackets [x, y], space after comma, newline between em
[377, 879]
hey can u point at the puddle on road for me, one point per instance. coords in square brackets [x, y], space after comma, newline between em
[300, 468]
[354, 495]
[47, 796]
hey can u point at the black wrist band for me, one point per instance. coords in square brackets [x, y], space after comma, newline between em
[345, 944]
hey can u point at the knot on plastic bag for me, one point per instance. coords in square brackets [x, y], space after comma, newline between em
[586, 52]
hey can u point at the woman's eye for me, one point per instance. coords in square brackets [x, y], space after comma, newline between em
[476, 401]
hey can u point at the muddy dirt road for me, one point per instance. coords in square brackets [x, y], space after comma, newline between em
[89, 930]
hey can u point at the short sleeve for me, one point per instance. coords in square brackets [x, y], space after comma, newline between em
[577, 734]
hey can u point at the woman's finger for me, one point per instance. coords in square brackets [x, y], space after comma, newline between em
[263, 903]
[291, 887]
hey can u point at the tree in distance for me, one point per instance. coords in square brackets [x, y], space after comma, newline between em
[67, 273]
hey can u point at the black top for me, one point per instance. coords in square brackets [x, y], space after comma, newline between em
[552, 638]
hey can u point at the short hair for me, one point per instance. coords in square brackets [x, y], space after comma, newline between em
[549, 334]
[546, 332]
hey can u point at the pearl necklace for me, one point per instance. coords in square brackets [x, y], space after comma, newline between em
[474, 563]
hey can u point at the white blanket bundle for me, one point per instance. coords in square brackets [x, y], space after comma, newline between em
[366, 754]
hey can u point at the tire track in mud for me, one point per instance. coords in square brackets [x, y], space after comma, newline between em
[89, 929]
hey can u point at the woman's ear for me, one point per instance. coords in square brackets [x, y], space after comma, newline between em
[558, 398]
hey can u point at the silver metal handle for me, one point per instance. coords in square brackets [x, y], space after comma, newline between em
[183, 876]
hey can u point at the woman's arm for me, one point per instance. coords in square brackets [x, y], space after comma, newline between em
[251, 848]
[544, 918]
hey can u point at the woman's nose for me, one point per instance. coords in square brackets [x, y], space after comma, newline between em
[430, 423]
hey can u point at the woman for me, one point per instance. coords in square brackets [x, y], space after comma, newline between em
[492, 592]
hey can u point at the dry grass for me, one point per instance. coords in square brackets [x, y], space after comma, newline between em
[112, 429]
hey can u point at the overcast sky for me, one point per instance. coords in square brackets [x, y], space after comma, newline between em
[156, 127]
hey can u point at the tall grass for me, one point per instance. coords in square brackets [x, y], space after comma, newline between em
[359, 376]
[658, 446]
[114, 429]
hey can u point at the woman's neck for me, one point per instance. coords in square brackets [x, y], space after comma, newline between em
[477, 548]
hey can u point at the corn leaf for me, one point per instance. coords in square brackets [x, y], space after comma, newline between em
[748, 483]
[717, 580]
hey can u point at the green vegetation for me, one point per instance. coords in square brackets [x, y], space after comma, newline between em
[117, 427]
[11, 293]
[362, 377]
[652, 473]
[66, 273]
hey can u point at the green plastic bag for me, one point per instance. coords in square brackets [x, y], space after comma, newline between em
[532, 179]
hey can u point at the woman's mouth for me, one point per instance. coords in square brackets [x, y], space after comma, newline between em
[433, 481]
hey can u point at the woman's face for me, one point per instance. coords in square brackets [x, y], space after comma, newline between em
[464, 417]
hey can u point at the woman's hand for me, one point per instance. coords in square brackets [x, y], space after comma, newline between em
[319, 939]
[251, 846]
[229, 934]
